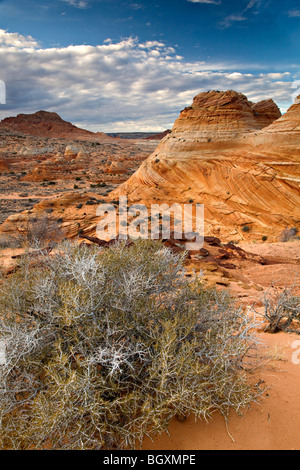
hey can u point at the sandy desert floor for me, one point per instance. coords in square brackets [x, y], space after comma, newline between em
[274, 423]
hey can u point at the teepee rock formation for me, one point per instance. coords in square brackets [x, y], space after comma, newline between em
[217, 115]
[220, 154]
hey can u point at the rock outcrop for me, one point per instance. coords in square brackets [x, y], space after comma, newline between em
[218, 116]
[220, 154]
[46, 124]
[159, 136]
[116, 167]
[3, 166]
[71, 152]
[266, 112]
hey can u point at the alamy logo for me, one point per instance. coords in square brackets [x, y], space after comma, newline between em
[2, 92]
[187, 222]
[295, 95]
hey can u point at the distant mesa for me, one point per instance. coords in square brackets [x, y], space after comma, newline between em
[47, 124]
[159, 136]
[140, 135]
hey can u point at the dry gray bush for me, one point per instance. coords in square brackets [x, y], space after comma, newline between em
[42, 230]
[104, 347]
[7, 241]
[282, 310]
[39, 231]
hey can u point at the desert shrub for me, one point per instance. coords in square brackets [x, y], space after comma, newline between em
[41, 230]
[246, 228]
[105, 346]
[91, 202]
[7, 241]
[264, 238]
[288, 234]
[282, 310]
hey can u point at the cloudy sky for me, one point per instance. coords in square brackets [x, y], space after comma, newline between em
[132, 65]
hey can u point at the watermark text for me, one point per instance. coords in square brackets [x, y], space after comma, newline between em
[161, 221]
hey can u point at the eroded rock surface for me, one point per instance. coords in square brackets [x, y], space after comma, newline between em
[220, 155]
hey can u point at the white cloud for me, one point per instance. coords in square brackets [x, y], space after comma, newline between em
[231, 19]
[253, 3]
[238, 17]
[213, 2]
[136, 6]
[77, 3]
[126, 85]
[294, 13]
[16, 40]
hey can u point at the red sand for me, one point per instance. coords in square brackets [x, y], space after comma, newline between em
[272, 425]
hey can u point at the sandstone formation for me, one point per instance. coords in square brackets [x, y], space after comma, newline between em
[3, 166]
[266, 112]
[46, 124]
[71, 152]
[117, 167]
[219, 154]
[218, 116]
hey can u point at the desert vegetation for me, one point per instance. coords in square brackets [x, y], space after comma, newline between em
[289, 234]
[102, 347]
[37, 232]
[282, 310]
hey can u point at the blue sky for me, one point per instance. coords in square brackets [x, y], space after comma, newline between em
[129, 65]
